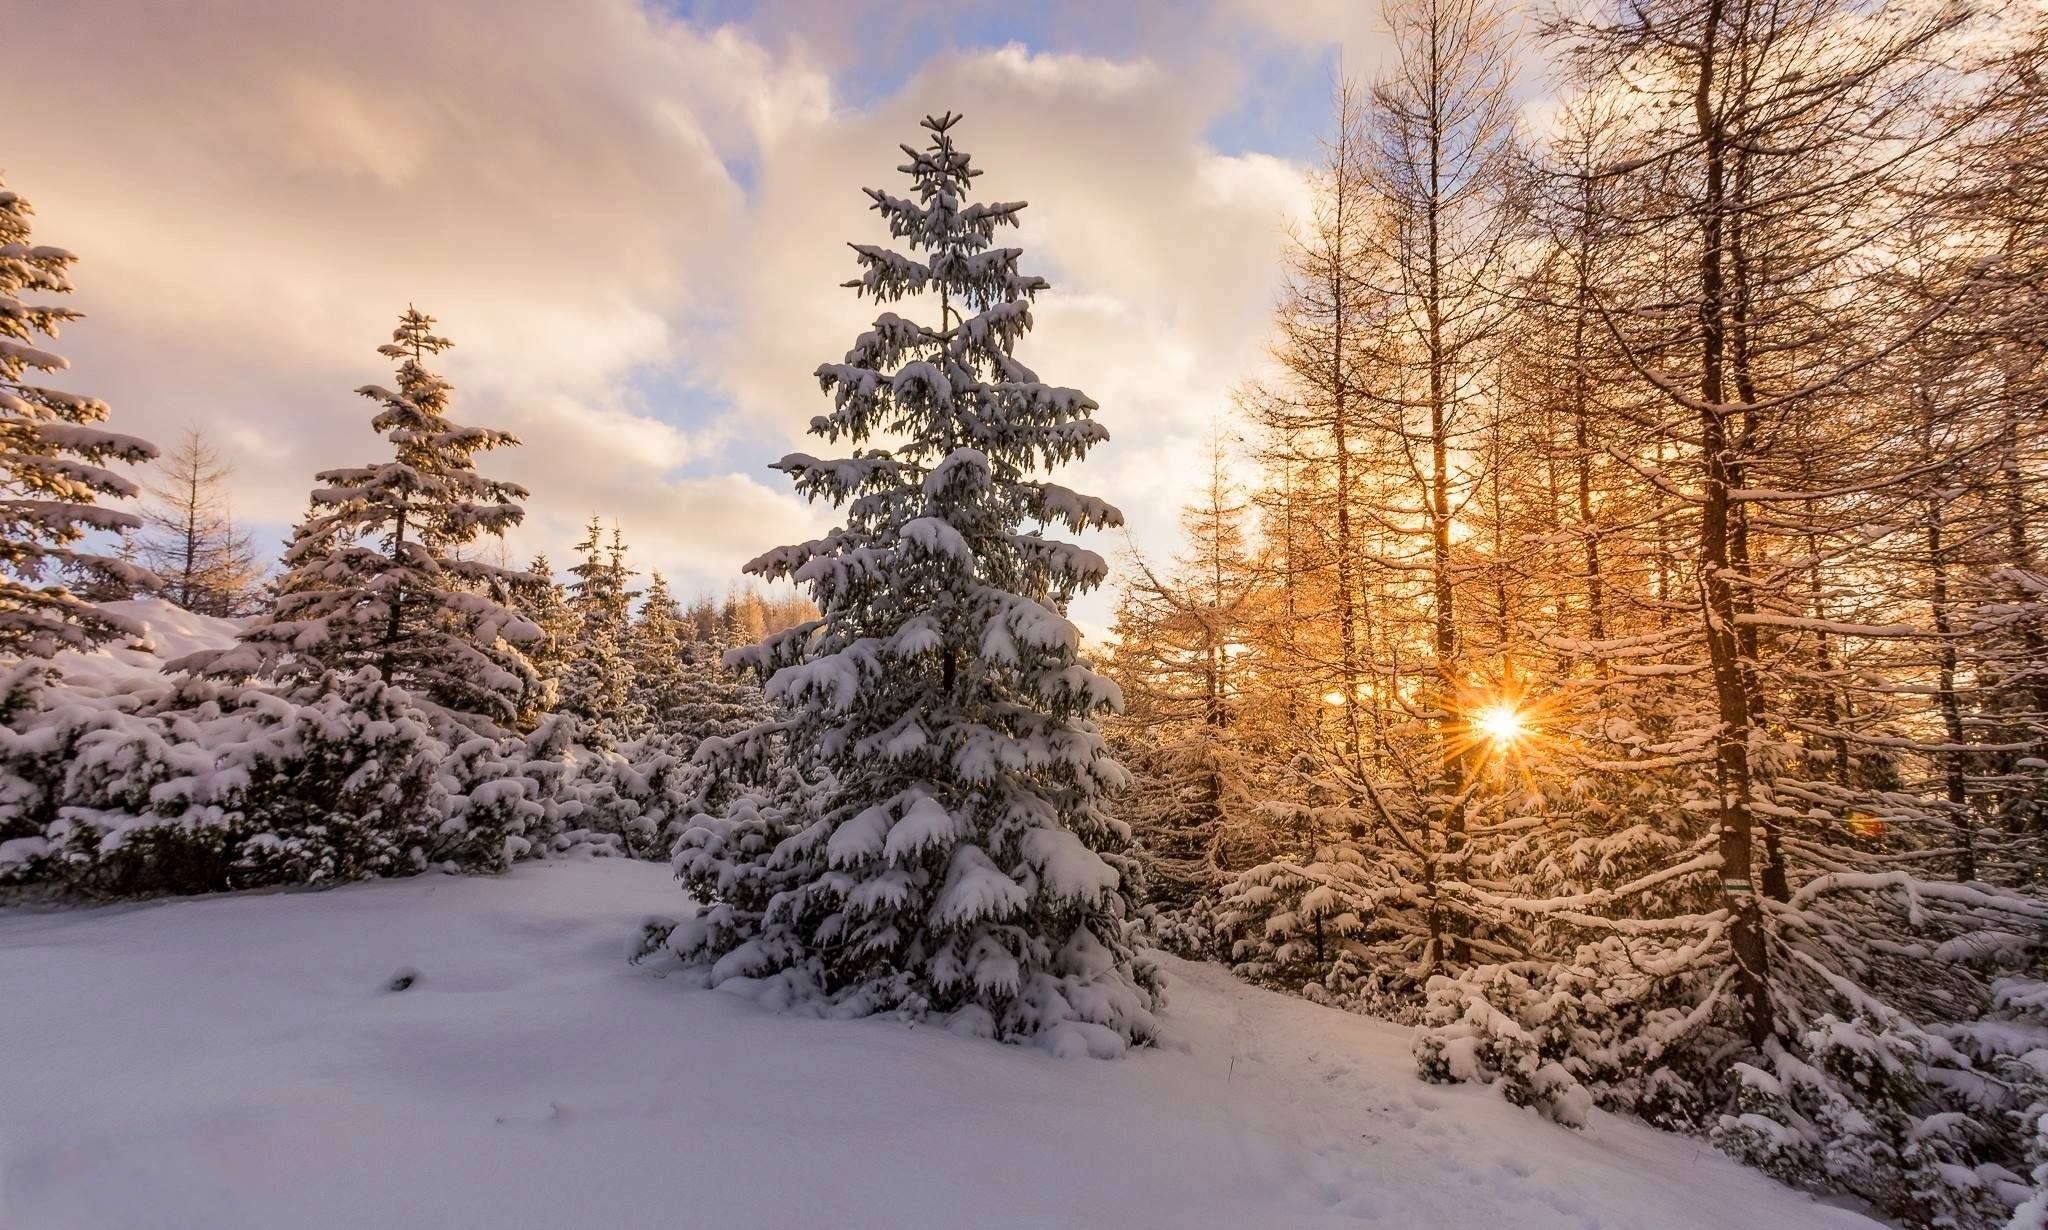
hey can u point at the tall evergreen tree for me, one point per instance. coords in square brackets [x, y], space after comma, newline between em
[52, 465]
[373, 579]
[958, 859]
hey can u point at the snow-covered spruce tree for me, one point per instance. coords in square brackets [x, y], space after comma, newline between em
[597, 679]
[657, 658]
[961, 862]
[373, 576]
[544, 603]
[52, 465]
[711, 700]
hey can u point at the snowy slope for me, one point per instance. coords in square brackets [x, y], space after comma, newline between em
[169, 632]
[238, 1062]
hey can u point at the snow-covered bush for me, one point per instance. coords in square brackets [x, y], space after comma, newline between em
[1468, 1038]
[1603, 1028]
[119, 780]
[200, 786]
[1909, 1071]
[1876, 1111]
[741, 856]
[1190, 931]
[1294, 925]
[645, 793]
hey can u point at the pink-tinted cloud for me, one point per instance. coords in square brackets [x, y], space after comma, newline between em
[633, 227]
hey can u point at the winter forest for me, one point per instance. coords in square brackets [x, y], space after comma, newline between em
[1607, 644]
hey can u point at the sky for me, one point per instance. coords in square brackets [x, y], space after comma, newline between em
[631, 217]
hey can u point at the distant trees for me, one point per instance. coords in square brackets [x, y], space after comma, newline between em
[546, 605]
[202, 562]
[682, 688]
[658, 648]
[1188, 646]
[597, 677]
[53, 464]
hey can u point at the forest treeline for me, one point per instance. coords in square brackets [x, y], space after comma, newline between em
[1614, 639]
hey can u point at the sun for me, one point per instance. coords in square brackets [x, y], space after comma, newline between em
[1501, 723]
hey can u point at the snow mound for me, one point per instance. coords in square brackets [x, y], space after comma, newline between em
[169, 632]
[247, 1061]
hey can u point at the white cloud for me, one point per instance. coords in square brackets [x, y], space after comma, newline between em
[1354, 27]
[599, 201]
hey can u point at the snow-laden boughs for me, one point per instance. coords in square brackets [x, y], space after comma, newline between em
[53, 465]
[940, 844]
[1305, 926]
[197, 785]
[1884, 1110]
[376, 575]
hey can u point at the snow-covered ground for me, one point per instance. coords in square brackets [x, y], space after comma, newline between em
[237, 1062]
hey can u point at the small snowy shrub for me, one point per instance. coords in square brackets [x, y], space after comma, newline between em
[1565, 1037]
[200, 786]
[1868, 1115]
[1190, 931]
[1298, 927]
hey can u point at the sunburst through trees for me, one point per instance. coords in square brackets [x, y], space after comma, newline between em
[1643, 688]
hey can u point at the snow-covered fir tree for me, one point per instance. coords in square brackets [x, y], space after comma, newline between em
[658, 666]
[713, 700]
[53, 455]
[374, 578]
[597, 680]
[959, 859]
[545, 604]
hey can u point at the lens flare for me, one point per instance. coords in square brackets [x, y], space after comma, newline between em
[1501, 723]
